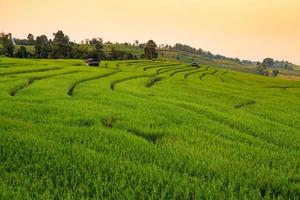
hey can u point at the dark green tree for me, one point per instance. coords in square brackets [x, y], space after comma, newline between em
[97, 43]
[136, 42]
[30, 39]
[81, 51]
[7, 44]
[150, 50]
[275, 72]
[116, 54]
[260, 69]
[42, 47]
[268, 63]
[22, 52]
[60, 47]
[120, 55]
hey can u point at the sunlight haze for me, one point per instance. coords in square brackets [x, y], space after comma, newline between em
[246, 29]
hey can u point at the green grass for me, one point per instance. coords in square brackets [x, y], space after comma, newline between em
[146, 130]
[189, 58]
[126, 48]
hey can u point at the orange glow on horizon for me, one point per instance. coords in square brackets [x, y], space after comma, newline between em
[248, 29]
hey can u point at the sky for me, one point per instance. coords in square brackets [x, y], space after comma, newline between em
[248, 29]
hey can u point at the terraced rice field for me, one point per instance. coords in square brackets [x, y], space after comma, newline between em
[146, 130]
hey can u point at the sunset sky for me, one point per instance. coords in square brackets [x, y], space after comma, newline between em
[248, 29]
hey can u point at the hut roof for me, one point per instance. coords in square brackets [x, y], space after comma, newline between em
[92, 62]
[194, 64]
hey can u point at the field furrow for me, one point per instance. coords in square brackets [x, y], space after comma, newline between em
[208, 74]
[181, 71]
[75, 84]
[152, 81]
[115, 82]
[159, 66]
[169, 70]
[31, 80]
[245, 104]
[195, 72]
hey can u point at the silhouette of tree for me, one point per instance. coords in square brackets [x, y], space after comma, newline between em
[7, 45]
[60, 46]
[42, 47]
[22, 52]
[30, 39]
[150, 50]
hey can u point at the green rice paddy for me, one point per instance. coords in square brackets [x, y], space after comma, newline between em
[146, 130]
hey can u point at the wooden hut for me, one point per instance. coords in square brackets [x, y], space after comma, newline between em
[93, 62]
[194, 64]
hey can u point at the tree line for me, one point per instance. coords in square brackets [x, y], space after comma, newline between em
[60, 47]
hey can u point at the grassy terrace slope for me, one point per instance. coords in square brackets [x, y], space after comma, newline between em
[187, 57]
[146, 130]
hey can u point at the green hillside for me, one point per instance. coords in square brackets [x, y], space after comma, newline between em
[126, 48]
[187, 57]
[146, 130]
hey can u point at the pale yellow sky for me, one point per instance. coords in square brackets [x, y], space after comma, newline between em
[249, 29]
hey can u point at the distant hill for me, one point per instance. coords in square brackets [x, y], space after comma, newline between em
[187, 54]
[188, 57]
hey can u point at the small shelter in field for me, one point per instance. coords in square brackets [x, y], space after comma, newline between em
[194, 64]
[93, 62]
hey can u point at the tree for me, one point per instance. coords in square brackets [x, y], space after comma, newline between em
[22, 52]
[200, 51]
[97, 43]
[60, 47]
[142, 45]
[7, 44]
[150, 50]
[30, 39]
[136, 42]
[21, 41]
[116, 54]
[275, 72]
[42, 47]
[260, 69]
[120, 55]
[80, 51]
[268, 63]
[93, 54]
[184, 47]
